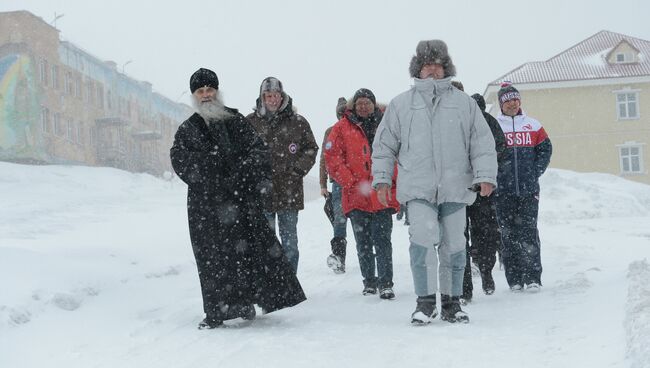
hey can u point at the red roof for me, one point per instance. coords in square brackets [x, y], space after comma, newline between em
[586, 60]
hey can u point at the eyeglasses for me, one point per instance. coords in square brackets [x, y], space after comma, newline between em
[363, 103]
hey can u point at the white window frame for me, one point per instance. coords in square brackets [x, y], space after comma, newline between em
[58, 129]
[628, 58]
[69, 130]
[627, 91]
[629, 156]
[79, 134]
[45, 120]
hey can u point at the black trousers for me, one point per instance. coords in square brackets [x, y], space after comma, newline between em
[483, 232]
[517, 216]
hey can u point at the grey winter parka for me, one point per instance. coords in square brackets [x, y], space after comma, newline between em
[441, 142]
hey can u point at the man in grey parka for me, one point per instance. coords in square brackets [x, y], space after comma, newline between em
[445, 153]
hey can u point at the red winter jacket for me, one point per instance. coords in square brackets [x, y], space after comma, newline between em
[347, 156]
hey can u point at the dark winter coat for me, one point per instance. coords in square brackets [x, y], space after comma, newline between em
[527, 155]
[293, 153]
[240, 261]
[348, 158]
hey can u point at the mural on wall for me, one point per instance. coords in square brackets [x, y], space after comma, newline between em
[19, 109]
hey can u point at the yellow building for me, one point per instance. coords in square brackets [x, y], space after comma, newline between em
[60, 104]
[593, 100]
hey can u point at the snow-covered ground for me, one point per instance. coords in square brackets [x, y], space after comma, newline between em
[96, 270]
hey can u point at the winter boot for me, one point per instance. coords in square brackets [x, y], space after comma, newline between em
[516, 288]
[465, 299]
[533, 287]
[209, 323]
[425, 310]
[451, 311]
[247, 312]
[387, 293]
[369, 290]
[488, 283]
[334, 262]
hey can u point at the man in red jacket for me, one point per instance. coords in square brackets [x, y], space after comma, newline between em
[347, 154]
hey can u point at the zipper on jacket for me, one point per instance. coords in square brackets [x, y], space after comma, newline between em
[514, 148]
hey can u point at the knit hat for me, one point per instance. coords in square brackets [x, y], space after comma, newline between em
[203, 78]
[340, 107]
[480, 101]
[431, 52]
[271, 84]
[507, 93]
[364, 92]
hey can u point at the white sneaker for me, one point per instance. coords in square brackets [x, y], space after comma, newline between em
[533, 287]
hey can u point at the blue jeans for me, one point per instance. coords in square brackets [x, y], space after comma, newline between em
[372, 231]
[288, 222]
[436, 234]
[340, 221]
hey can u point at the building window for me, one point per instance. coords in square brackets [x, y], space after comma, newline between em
[624, 57]
[100, 96]
[80, 132]
[90, 92]
[55, 77]
[77, 86]
[45, 120]
[631, 157]
[43, 72]
[58, 129]
[70, 130]
[68, 83]
[627, 105]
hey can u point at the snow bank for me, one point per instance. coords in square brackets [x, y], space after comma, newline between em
[568, 195]
[637, 314]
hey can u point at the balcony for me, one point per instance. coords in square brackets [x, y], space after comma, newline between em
[115, 121]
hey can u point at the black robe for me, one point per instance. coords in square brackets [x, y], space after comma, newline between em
[240, 260]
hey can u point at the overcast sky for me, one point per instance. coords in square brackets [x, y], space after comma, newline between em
[324, 49]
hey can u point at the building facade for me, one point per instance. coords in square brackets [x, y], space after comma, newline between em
[594, 102]
[61, 105]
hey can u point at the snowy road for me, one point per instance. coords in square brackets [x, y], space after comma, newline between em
[96, 270]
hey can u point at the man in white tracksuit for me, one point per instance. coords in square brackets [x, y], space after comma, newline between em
[445, 153]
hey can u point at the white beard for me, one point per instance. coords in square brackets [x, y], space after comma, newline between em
[212, 110]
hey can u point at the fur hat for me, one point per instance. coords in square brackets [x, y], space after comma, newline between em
[340, 107]
[202, 78]
[507, 93]
[431, 52]
[480, 101]
[364, 92]
[271, 84]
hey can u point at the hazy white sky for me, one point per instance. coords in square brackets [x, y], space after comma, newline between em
[324, 49]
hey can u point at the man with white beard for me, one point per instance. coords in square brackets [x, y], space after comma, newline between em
[225, 164]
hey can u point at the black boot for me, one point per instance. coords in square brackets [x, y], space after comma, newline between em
[209, 323]
[488, 283]
[425, 310]
[451, 311]
[336, 260]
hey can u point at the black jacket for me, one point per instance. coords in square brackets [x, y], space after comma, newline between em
[240, 261]
[293, 151]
